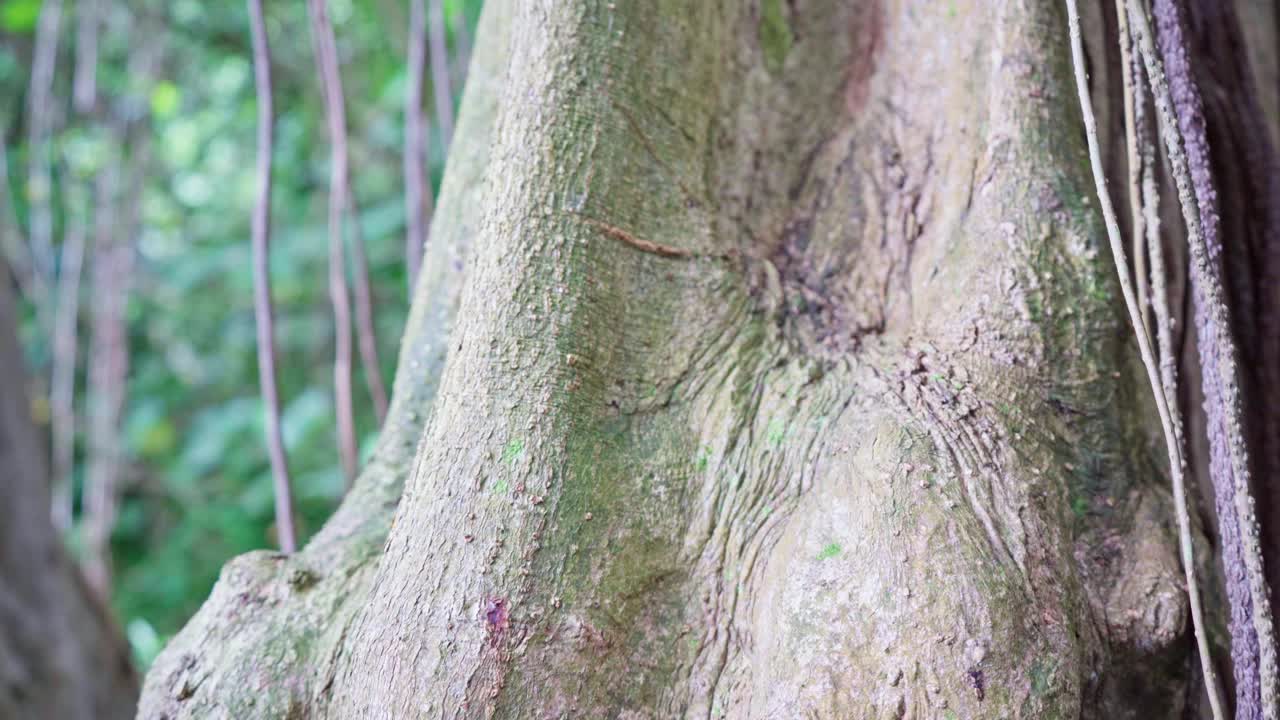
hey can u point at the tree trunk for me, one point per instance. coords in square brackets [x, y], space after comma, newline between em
[767, 362]
[60, 655]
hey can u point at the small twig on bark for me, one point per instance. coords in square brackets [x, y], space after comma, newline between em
[618, 233]
[417, 191]
[262, 309]
[1176, 465]
[331, 84]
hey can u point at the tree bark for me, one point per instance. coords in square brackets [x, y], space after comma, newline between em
[60, 655]
[766, 361]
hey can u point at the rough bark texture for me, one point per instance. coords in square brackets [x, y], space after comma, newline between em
[765, 362]
[60, 655]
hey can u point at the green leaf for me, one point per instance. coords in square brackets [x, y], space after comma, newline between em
[19, 16]
[143, 639]
[165, 98]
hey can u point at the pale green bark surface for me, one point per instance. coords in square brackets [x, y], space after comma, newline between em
[779, 375]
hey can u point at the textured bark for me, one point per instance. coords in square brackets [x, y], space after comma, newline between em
[766, 362]
[60, 655]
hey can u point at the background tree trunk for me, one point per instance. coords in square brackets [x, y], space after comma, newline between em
[767, 362]
[60, 654]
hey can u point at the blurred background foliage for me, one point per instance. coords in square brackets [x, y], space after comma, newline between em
[196, 487]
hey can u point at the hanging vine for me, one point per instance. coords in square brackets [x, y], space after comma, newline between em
[1181, 124]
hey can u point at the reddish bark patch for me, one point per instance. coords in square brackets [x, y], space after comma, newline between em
[867, 29]
[496, 619]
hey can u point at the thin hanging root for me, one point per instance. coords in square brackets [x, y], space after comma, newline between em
[262, 310]
[1137, 221]
[1250, 550]
[1149, 206]
[1145, 199]
[1148, 361]
[339, 294]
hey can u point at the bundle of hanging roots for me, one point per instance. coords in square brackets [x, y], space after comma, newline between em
[1157, 63]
